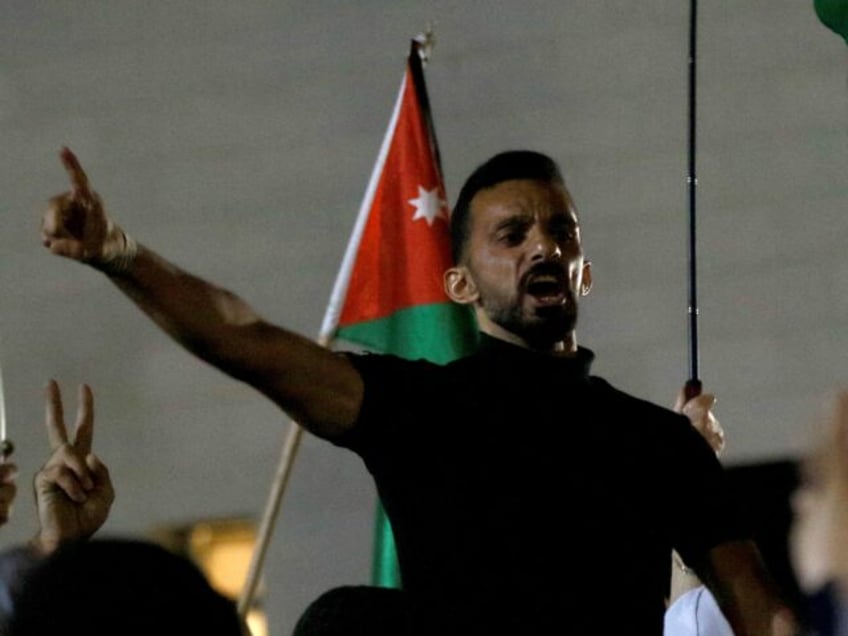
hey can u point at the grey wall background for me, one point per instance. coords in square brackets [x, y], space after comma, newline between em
[237, 138]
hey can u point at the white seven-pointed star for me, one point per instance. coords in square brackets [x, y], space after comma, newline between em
[429, 206]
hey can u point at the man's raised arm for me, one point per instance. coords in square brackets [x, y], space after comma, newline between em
[319, 389]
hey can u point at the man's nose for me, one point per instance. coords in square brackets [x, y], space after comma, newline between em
[545, 247]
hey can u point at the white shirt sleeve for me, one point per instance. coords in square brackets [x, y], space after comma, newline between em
[696, 613]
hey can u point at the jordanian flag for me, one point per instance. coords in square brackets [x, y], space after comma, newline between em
[388, 296]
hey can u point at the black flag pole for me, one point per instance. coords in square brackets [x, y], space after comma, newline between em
[693, 384]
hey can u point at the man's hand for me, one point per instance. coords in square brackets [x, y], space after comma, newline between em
[76, 226]
[73, 490]
[699, 411]
[8, 490]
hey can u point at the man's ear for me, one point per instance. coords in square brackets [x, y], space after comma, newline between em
[459, 285]
[586, 282]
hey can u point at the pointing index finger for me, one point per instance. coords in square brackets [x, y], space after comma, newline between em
[79, 180]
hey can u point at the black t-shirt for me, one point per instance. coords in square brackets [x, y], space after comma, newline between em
[529, 497]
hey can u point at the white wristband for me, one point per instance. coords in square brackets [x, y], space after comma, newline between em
[120, 263]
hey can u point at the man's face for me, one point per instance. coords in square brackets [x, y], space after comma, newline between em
[525, 262]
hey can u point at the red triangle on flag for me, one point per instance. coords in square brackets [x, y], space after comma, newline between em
[405, 244]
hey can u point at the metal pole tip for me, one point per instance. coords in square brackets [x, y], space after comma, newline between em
[6, 448]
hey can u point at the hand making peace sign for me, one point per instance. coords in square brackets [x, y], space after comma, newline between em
[73, 489]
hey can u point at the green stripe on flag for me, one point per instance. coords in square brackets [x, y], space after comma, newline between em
[384, 567]
[440, 332]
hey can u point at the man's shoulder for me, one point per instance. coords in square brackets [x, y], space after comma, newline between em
[632, 403]
[386, 365]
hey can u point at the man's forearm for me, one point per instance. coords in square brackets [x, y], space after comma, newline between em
[205, 319]
[318, 388]
[744, 590]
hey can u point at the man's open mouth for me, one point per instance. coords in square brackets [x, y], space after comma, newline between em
[546, 288]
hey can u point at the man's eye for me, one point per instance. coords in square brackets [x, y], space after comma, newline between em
[565, 232]
[513, 237]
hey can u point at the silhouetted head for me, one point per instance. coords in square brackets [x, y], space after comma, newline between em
[354, 610]
[117, 586]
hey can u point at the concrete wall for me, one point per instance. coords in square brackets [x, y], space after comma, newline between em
[237, 138]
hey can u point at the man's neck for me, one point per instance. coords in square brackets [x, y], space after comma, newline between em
[567, 347]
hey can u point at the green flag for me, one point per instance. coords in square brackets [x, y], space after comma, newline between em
[834, 15]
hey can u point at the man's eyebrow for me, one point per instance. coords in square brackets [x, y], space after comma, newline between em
[565, 217]
[518, 218]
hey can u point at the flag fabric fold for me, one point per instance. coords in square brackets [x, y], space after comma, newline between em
[388, 296]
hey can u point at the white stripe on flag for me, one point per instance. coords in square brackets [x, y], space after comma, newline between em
[337, 298]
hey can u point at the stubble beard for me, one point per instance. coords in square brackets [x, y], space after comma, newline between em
[540, 329]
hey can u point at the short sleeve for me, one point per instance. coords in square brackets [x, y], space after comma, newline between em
[393, 404]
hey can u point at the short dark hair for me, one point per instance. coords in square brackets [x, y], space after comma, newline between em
[505, 166]
[353, 610]
[138, 588]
